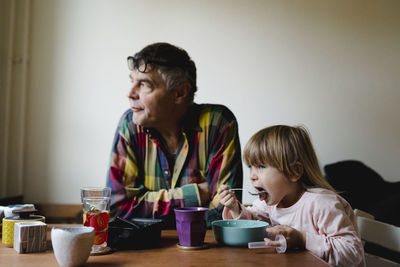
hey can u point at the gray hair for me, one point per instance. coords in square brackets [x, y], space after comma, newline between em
[174, 77]
[173, 64]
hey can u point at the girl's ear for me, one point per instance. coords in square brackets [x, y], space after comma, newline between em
[299, 170]
[182, 93]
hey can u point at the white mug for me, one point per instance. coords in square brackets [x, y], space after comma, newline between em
[72, 246]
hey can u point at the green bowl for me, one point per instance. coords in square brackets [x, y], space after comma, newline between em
[239, 232]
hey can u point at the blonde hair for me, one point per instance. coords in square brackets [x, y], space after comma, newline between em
[283, 147]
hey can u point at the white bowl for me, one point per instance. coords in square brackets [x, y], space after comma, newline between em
[72, 246]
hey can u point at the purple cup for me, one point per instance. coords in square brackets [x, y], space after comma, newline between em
[191, 226]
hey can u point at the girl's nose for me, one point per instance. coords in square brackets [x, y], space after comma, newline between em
[253, 175]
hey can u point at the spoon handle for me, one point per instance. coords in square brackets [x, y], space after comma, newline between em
[235, 189]
[257, 193]
[251, 193]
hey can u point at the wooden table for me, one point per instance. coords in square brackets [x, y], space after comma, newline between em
[168, 254]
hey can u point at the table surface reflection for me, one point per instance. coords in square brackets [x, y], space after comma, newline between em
[168, 254]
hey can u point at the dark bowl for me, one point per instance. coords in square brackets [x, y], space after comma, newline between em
[134, 233]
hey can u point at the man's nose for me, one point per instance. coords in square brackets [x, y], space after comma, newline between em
[133, 93]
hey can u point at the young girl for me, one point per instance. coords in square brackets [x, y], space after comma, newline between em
[296, 200]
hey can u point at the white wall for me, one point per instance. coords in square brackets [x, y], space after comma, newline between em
[330, 65]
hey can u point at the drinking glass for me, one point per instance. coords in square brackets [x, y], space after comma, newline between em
[96, 213]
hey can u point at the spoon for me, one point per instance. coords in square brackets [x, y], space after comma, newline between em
[251, 193]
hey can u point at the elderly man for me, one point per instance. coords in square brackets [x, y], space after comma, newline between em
[169, 152]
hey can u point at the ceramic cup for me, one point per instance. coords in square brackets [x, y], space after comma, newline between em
[72, 246]
[191, 226]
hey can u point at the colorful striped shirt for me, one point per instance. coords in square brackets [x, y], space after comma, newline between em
[145, 182]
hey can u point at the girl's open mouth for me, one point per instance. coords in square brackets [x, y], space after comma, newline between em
[261, 192]
[263, 195]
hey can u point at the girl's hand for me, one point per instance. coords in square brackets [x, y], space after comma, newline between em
[229, 200]
[294, 238]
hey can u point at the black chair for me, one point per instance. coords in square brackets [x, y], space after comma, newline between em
[365, 189]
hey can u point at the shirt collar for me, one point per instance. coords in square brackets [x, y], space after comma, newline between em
[190, 122]
[191, 119]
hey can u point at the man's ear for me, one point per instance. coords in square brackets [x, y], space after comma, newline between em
[182, 93]
[299, 170]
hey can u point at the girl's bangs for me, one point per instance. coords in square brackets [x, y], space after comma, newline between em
[257, 152]
[266, 148]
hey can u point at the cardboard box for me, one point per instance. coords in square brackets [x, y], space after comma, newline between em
[30, 237]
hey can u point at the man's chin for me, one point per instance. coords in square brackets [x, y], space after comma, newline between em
[141, 122]
[137, 120]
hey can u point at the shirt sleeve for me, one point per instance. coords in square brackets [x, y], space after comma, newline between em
[258, 211]
[337, 240]
[224, 158]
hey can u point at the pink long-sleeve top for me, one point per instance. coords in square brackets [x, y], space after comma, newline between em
[326, 218]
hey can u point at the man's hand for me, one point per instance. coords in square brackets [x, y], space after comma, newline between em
[229, 200]
[204, 193]
[294, 238]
